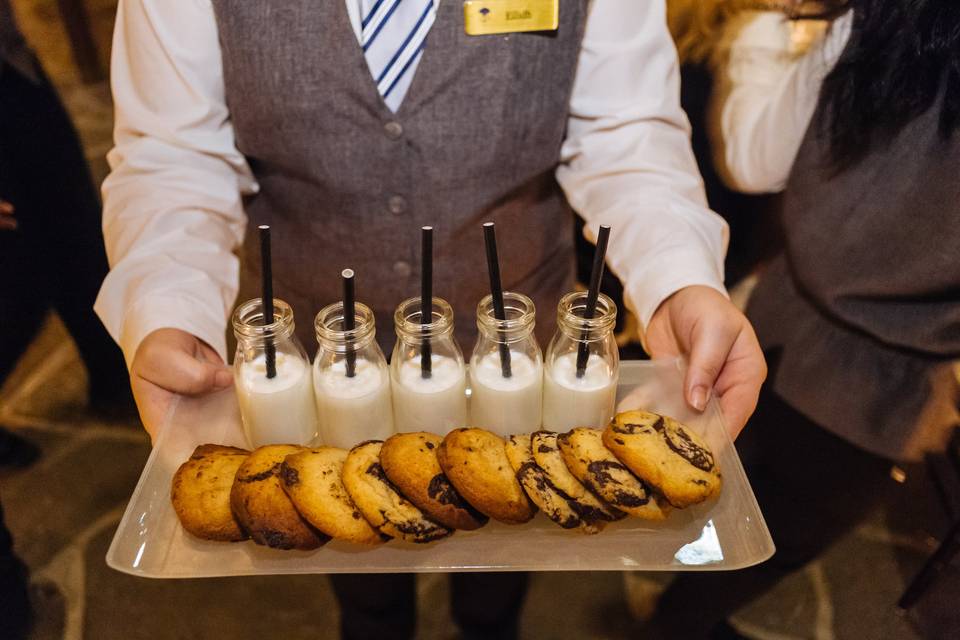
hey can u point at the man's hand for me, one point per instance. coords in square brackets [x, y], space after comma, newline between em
[7, 221]
[170, 363]
[720, 345]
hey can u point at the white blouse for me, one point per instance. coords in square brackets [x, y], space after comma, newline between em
[769, 95]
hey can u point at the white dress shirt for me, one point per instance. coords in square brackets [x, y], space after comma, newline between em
[173, 215]
[769, 96]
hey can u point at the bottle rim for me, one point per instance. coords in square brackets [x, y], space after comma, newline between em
[331, 317]
[248, 324]
[520, 312]
[570, 318]
[406, 319]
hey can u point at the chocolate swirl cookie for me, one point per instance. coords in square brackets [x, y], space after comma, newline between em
[593, 464]
[547, 455]
[554, 504]
[666, 455]
[410, 462]
[380, 502]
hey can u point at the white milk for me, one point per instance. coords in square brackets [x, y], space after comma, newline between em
[437, 404]
[570, 402]
[277, 410]
[506, 406]
[351, 410]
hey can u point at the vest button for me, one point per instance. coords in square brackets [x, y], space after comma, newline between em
[393, 129]
[397, 205]
[402, 269]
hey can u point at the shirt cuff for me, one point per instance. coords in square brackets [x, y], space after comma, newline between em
[186, 313]
[686, 268]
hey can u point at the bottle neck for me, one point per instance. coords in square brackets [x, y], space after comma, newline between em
[249, 327]
[572, 322]
[520, 315]
[331, 334]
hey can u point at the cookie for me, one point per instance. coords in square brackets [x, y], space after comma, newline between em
[313, 479]
[379, 501]
[600, 471]
[263, 508]
[666, 455]
[201, 493]
[476, 463]
[541, 491]
[548, 457]
[410, 462]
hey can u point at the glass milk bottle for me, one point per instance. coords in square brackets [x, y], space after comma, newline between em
[351, 382]
[277, 410]
[506, 398]
[430, 398]
[585, 398]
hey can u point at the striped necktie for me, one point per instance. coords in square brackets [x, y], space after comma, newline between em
[393, 34]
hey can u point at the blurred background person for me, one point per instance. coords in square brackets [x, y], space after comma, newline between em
[698, 30]
[51, 257]
[859, 312]
[51, 245]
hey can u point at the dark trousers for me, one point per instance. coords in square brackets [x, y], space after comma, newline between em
[485, 605]
[14, 603]
[56, 258]
[813, 488]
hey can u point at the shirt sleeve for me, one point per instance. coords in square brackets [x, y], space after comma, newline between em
[768, 96]
[173, 213]
[627, 160]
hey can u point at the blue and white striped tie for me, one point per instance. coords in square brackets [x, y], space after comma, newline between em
[393, 35]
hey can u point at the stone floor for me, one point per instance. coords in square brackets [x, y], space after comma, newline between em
[64, 509]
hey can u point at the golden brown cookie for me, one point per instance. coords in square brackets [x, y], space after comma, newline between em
[379, 501]
[548, 457]
[666, 455]
[201, 492]
[540, 490]
[476, 463]
[410, 462]
[263, 508]
[593, 464]
[313, 479]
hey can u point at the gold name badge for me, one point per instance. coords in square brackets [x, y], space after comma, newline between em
[484, 17]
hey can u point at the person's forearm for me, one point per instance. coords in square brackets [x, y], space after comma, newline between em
[627, 160]
[173, 214]
[170, 250]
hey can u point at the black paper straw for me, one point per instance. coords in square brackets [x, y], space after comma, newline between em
[426, 299]
[266, 272]
[596, 274]
[496, 291]
[349, 319]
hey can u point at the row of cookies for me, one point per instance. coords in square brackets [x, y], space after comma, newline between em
[420, 487]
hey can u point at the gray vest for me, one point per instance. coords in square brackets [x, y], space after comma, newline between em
[863, 308]
[347, 183]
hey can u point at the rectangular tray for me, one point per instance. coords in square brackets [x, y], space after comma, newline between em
[725, 533]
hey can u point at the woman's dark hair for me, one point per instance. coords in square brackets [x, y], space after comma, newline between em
[901, 56]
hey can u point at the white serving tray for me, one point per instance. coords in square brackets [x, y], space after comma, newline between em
[725, 533]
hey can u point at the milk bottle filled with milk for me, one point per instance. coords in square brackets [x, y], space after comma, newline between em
[350, 379]
[582, 365]
[506, 369]
[427, 370]
[272, 377]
